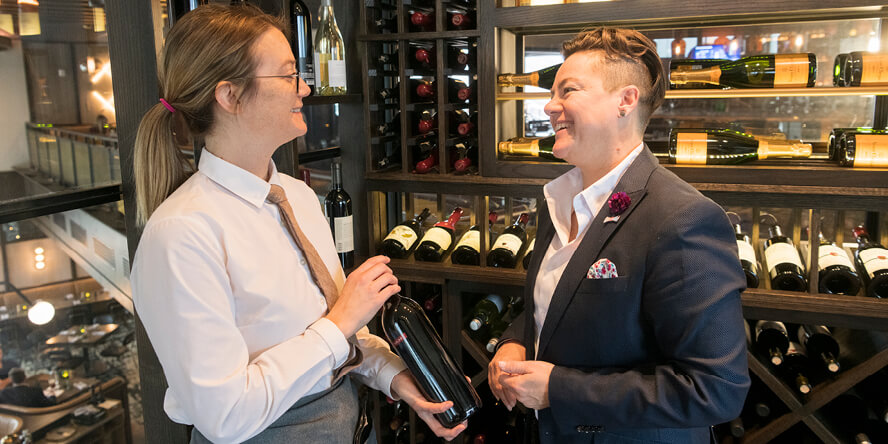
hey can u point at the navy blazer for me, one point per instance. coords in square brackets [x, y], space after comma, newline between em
[657, 354]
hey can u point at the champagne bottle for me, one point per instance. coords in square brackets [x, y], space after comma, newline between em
[529, 254]
[487, 312]
[837, 275]
[796, 368]
[727, 147]
[399, 241]
[300, 26]
[529, 147]
[867, 69]
[438, 377]
[864, 150]
[422, 21]
[771, 340]
[338, 207]
[839, 72]
[543, 78]
[329, 54]
[504, 253]
[821, 345]
[784, 263]
[871, 260]
[437, 240]
[747, 257]
[685, 65]
[760, 71]
[468, 250]
[836, 145]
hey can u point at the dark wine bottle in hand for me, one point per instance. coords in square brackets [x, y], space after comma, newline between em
[413, 338]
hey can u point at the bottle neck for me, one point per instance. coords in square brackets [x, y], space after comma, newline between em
[775, 231]
[532, 79]
[337, 176]
[452, 220]
[421, 216]
[710, 75]
[785, 148]
[521, 222]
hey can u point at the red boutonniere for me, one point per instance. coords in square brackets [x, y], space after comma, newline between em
[618, 203]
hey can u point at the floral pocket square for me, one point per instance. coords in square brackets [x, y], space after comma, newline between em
[602, 269]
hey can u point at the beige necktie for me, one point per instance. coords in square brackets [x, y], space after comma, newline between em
[319, 271]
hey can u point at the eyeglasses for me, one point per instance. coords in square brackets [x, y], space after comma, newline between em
[296, 76]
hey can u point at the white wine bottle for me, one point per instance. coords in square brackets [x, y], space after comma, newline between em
[761, 71]
[725, 146]
[329, 54]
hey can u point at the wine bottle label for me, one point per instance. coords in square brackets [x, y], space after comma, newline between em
[403, 234]
[832, 255]
[530, 247]
[745, 251]
[781, 253]
[509, 242]
[874, 259]
[471, 239]
[871, 151]
[690, 148]
[336, 69]
[791, 70]
[343, 234]
[874, 70]
[439, 236]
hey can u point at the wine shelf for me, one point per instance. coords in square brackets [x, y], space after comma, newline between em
[732, 93]
[329, 100]
[419, 36]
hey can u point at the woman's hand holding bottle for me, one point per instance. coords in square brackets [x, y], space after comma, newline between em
[364, 292]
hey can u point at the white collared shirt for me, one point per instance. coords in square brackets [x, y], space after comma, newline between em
[230, 306]
[564, 195]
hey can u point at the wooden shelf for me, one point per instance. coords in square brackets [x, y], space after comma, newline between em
[438, 272]
[410, 36]
[731, 93]
[328, 100]
[855, 312]
[454, 184]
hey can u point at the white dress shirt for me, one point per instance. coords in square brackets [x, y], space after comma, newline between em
[230, 306]
[564, 195]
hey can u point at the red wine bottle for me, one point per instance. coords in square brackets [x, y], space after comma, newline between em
[401, 239]
[871, 259]
[463, 122]
[422, 90]
[462, 20]
[386, 25]
[427, 162]
[747, 257]
[504, 253]
[459, 92]
[466, 155]
[437, 240]
[487, 312]
[875, 392]
[338, 208]
[439, 378]
[459, 59]
[468, 250]
[392, 93]
[428, 121]
[784, 263]
[796, 367]
[387, 59]
[836, 275]
[771, 340]
[821, 345]
[496, 332]
[300, 26]
[425, 57]
[422, 21]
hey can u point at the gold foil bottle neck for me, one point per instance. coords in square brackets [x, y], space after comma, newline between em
[784, 149]
[710, 75]
[532, 79]
[520, 147]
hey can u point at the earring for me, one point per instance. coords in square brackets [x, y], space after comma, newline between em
[622, 113]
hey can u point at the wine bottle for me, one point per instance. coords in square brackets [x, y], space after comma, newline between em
[437, 240]
[459, 92]
[727, 147]
[463, 122]
[487, 312]
[300, 26]
[837, 275]
[466, 155]
[305, 175]
[864, 150]
[462, 20]
[784, 263]
[422, 90]
[399, 241]
[338, 207]
[329, 54]
[504, 253]
[422, 21]
[387, 59]
[391, 160]
[871, 260]
[684, 65]
[459, 59]
[543, 78]
[427, 162]
[393, 92]
[529, 147]
[836, 145]
[760, 71]
[875, 392]
[386, 25]
[425, 57]
[392, 126]
[468, 249]
[821, 345]
[496, 332]
[796, 367]
[747, 257]
[771, 340]
[428, 121]
[528, 254]
[839, 72]
[437, 375]
[867, 69]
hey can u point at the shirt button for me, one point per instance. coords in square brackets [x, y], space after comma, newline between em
[302, 261]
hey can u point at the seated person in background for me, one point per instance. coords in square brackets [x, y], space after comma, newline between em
[5, 365]
[22, 394]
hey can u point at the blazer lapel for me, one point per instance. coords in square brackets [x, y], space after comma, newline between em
[597, 235]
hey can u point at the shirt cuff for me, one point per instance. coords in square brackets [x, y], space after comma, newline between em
[330, 333]
[387, 373]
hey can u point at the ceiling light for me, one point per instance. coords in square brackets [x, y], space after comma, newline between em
[41, 313]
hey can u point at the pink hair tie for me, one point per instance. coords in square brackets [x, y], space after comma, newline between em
[168, 106]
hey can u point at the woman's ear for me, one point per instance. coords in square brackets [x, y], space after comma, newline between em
[629, 97]
[228, 96]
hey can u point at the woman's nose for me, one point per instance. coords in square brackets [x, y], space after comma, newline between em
[552, 107]
[304, 90]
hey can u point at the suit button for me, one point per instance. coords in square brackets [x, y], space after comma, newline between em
[597, 428]
[579, 429]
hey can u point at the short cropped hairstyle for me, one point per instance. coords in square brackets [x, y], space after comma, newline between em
[17, 375]
[631, 59]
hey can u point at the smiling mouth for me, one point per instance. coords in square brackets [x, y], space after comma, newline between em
[561, 125]
[296, 110]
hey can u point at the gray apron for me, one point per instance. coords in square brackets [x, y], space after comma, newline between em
[328, 417]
